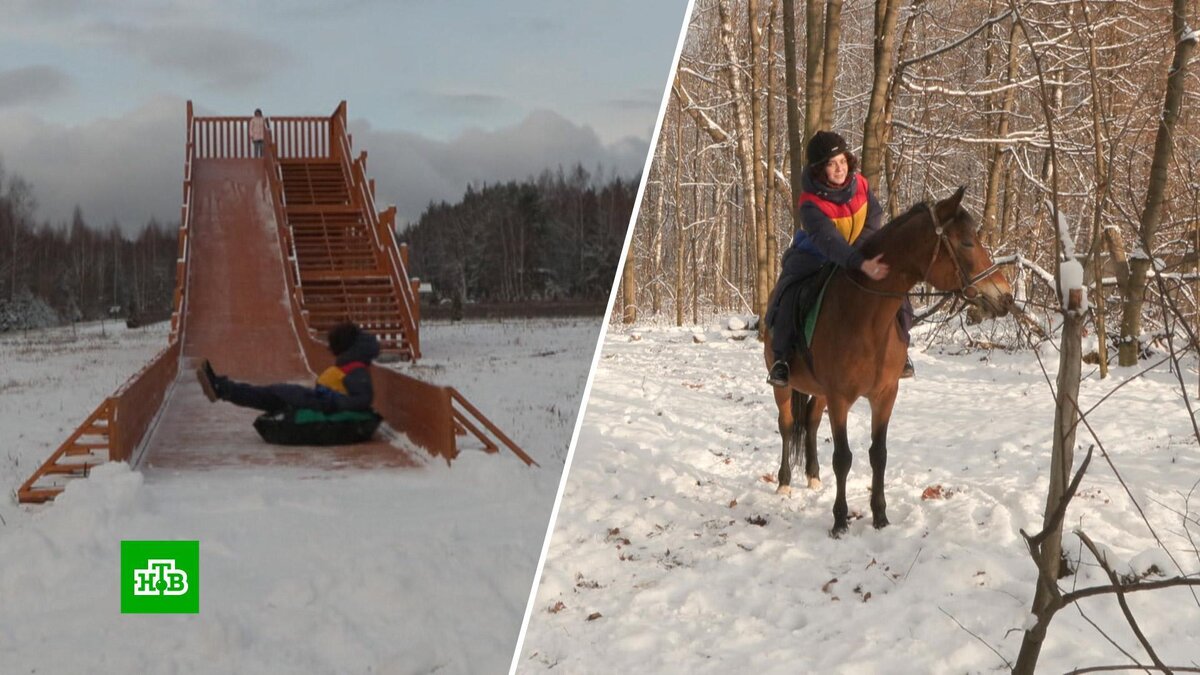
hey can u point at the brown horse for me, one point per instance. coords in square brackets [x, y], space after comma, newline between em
[856, 346]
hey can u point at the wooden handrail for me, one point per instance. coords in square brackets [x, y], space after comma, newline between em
[385, 242]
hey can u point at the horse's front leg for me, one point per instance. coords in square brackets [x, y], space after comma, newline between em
[881, 413]
[842, 458]
[783, 401]
[812, 423]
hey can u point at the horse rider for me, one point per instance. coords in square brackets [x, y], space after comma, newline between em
[838, 213]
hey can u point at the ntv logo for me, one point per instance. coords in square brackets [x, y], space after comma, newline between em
[160, 577]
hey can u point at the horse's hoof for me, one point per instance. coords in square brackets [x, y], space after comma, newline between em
[838, 531]
[881, 522]
[814, 483]
[785, 490]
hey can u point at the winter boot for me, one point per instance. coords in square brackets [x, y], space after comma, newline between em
[779, 374]
[208, 380]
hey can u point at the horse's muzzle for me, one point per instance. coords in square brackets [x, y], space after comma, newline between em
[993, 305]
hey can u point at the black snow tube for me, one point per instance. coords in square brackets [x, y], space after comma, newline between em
[310, 427]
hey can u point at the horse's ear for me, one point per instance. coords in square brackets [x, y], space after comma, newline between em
[949, 207]
[956, 198]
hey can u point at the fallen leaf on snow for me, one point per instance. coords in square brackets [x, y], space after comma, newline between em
[593, 616]
[556, 607]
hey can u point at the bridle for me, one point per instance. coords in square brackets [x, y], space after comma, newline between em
[968, 291]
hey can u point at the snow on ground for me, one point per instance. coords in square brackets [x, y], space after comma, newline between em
[672, 552]
[390, 571]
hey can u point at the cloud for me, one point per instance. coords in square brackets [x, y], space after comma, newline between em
[126, 169]
[461, 105]
[130, 169]
[218, 57]
[32, 84]
[635, 104]
[411, 171]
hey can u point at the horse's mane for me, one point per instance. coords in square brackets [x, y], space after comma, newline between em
[871, 247]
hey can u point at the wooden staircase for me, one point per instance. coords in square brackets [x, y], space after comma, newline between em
[87, 447]
[343, 274]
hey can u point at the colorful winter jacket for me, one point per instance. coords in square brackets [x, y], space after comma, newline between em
[834, 219]
[348, 384]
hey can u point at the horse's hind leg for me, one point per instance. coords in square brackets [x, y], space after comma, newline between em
[842, 458]
[812, 423]
[881, 413]
[784, 401]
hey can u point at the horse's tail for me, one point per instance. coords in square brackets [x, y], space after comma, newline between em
[800, 402]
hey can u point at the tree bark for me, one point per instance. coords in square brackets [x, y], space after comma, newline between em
[794, 139]
[629, 290]
[813, 95]
[829, 59]
[1133, 293]
[747, 138]
[1062, 456]
[991, 200]
[678, 213]
[875, 130]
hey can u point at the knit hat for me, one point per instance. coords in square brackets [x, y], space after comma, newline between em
[342, 337]
[824, 146]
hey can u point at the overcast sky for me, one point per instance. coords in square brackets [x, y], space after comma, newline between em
[440, 93]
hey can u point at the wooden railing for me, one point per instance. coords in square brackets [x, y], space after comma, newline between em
[229, 137]
[385, 240]
[221, 137]
[300, 137]
[185, 229]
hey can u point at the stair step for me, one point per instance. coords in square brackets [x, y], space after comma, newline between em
[78, 449]
[38, 495]
[80, 469]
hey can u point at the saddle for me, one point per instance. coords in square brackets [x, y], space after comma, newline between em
[806, 307]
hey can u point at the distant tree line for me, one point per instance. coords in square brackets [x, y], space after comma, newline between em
[555, 237]
[57, 273]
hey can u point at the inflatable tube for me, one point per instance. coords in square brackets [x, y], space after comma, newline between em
[310, 427]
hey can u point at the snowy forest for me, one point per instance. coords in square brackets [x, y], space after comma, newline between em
[551, 238]
[932, 96]
[1070, 124]
[55, 273]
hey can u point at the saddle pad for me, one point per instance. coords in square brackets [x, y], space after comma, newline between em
[810, 318]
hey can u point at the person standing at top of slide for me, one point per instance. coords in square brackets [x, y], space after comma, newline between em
[258, 131]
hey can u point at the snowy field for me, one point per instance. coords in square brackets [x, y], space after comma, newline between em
[672, 552]
[393, 571]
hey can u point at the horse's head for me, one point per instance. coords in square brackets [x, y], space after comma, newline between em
[960, 262]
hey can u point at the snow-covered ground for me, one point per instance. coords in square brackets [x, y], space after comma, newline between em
[672, 552]
[392, 571]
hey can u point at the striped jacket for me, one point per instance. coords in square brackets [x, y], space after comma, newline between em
[836, 221]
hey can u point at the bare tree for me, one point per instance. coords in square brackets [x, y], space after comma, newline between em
[1148, 224]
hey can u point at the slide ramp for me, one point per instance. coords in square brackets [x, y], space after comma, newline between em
[238, 316]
